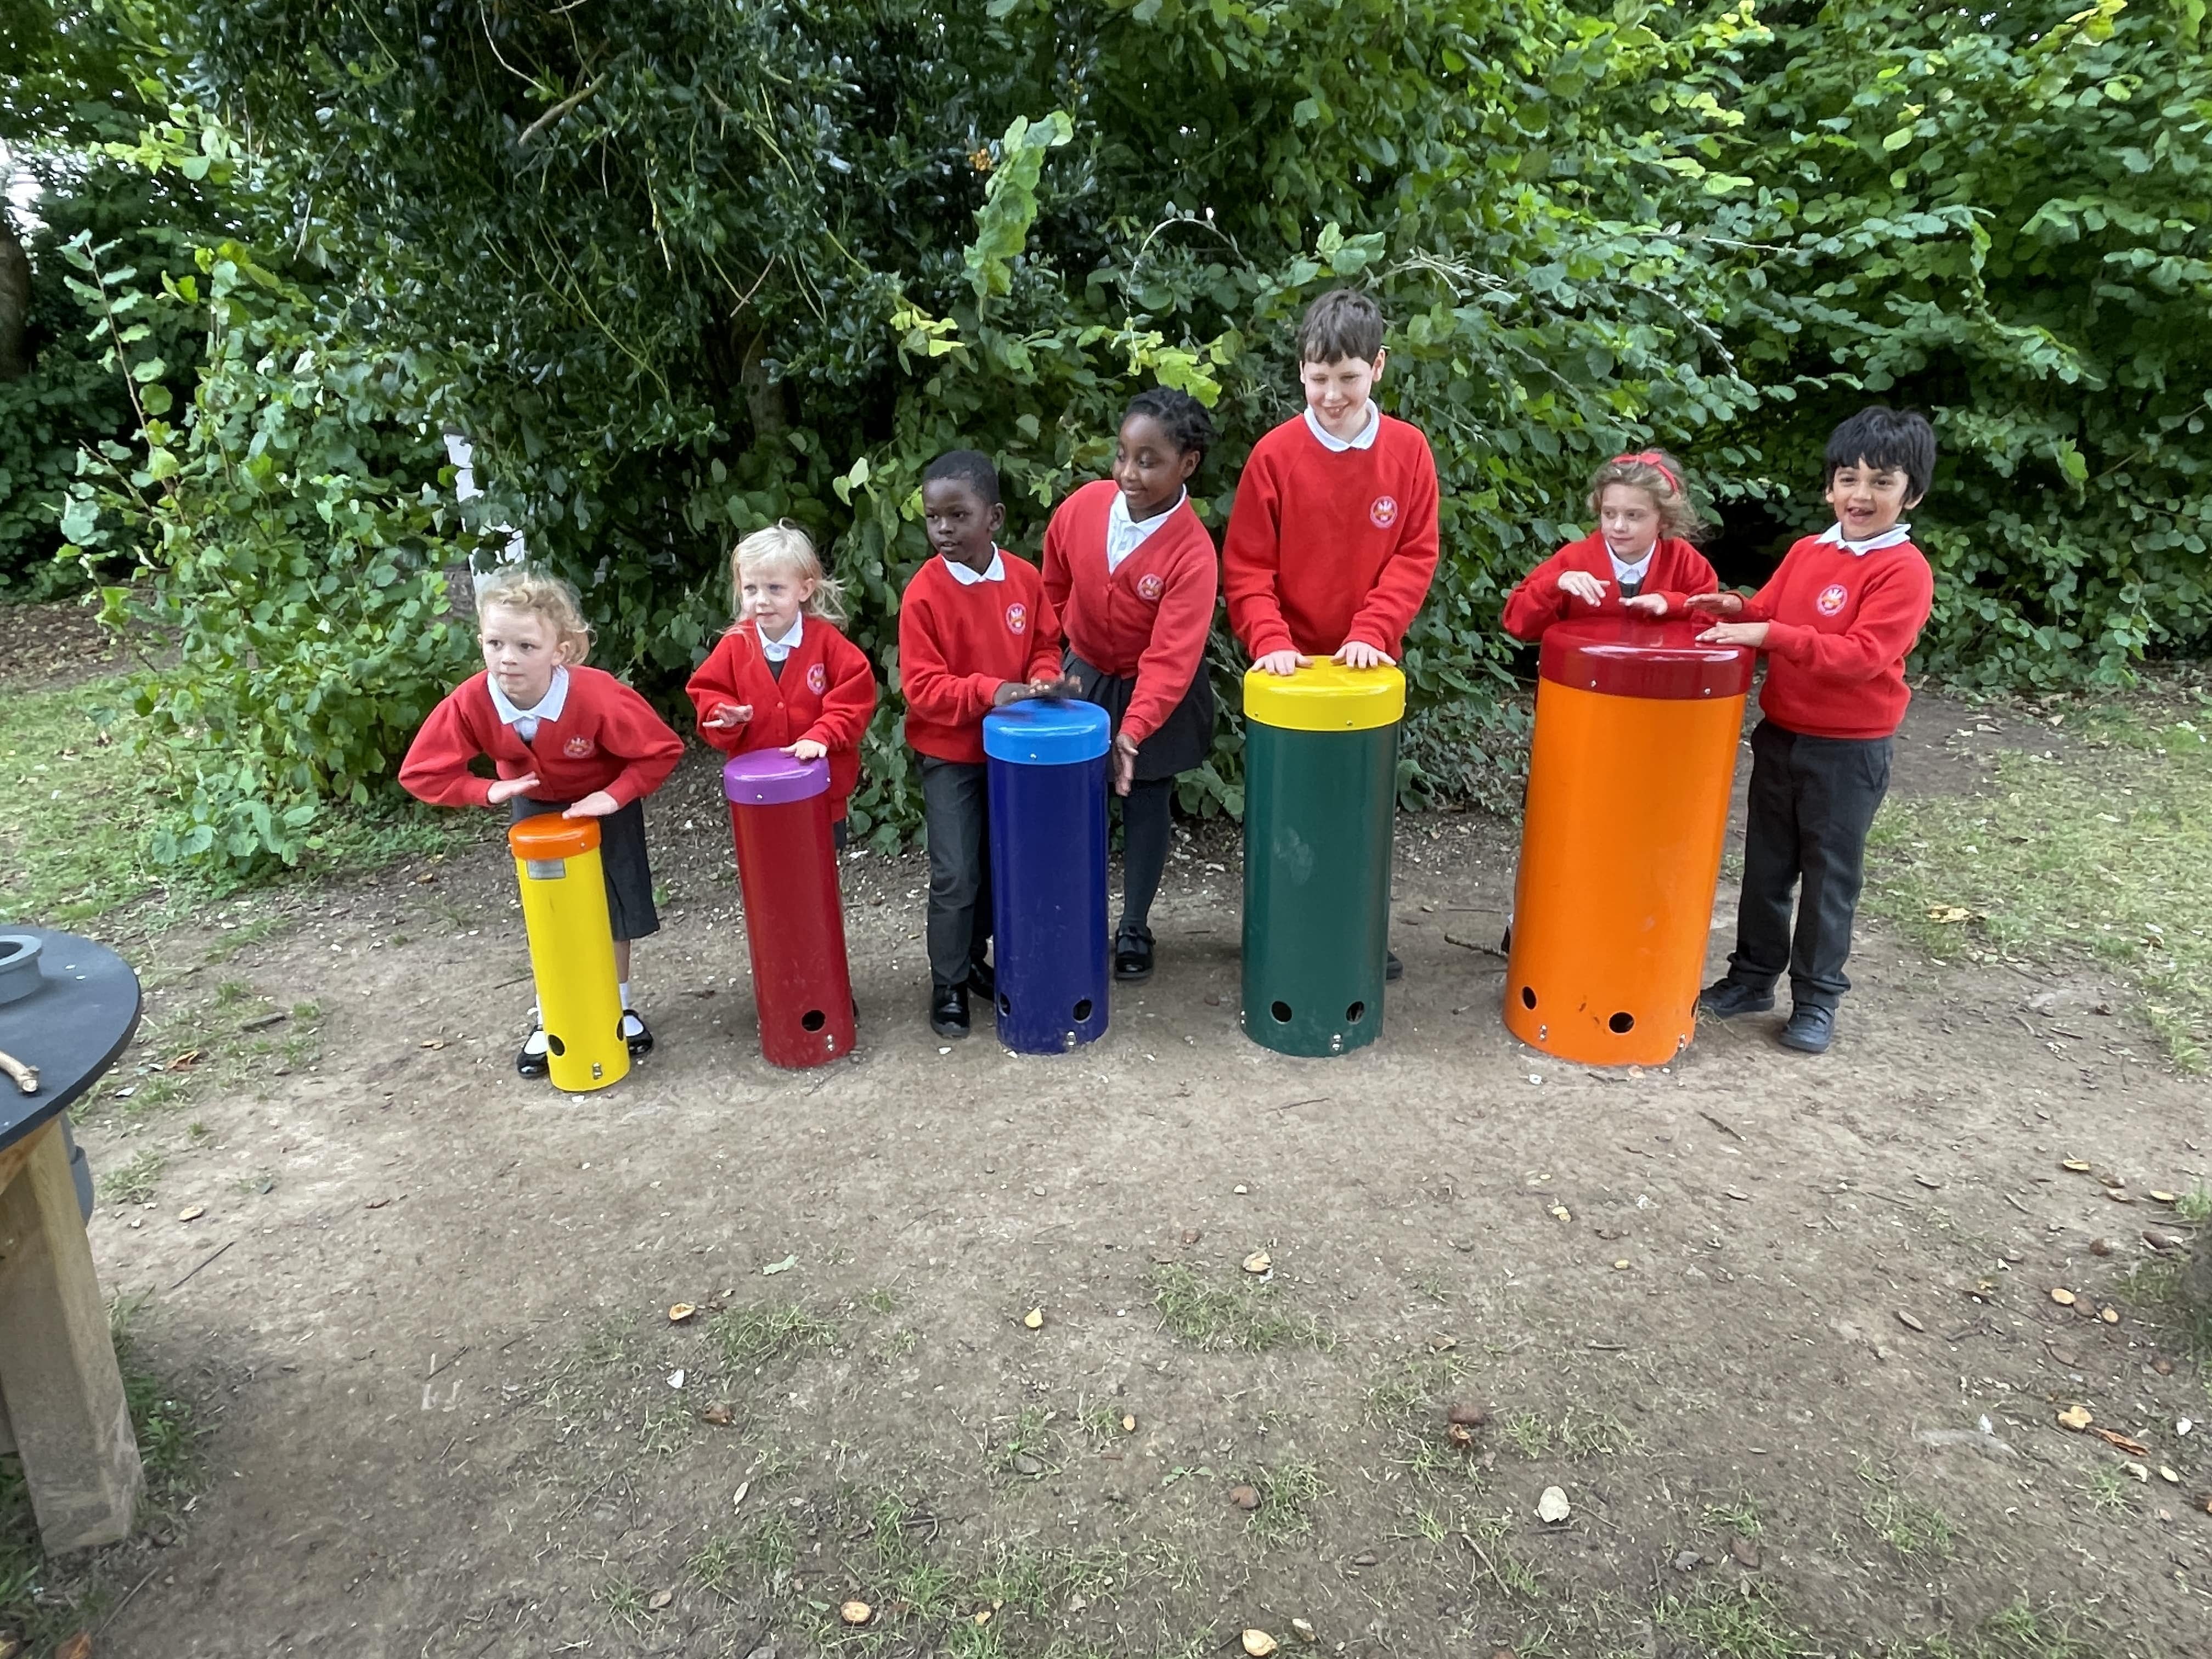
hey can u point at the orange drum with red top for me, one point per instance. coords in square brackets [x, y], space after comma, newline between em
[1636, 727]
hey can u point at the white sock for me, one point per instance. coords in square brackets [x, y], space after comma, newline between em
[624, 988]
[535, 1042]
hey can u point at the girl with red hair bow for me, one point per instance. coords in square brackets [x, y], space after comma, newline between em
[1638, 561]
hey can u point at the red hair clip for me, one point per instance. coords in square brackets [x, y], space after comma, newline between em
[1656, 462]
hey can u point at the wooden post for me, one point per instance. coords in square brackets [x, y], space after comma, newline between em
[58, 1373]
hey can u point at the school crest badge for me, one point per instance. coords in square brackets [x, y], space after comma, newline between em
[578, 747]
[817, 679]
[1017, 619]
[1831, 598]
[1150, 587]
[1384, 513]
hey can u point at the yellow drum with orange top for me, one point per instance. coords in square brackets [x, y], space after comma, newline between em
[572, 949]
[1629, 774]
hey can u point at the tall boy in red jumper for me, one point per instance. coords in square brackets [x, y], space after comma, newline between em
[976, 632]
[1333, 540]
[1836, 620]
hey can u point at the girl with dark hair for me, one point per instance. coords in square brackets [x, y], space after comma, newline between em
[1131, 573]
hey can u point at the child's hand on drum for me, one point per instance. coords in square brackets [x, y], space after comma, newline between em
[1282, 662]
[1358, 654]
[506, 789]
[1646, 604]
[807, 749]
[597, 805]
[1722, 604]
[728, 714]
[1751, 634]
[1585, 586]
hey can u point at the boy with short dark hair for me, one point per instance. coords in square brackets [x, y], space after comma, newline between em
[1332, 542]
[1837, 621]
[975, 632]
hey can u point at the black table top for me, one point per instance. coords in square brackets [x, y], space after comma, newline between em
[71, 1028]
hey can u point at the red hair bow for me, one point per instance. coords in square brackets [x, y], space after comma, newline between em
[1658, 462]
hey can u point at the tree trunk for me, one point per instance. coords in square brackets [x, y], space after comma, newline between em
[15, 302]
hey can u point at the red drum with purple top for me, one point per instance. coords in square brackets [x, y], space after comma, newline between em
[795, 921]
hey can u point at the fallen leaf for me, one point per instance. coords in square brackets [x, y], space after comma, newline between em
[376, 1203]
[438, 1043]
[2078, 1165]
[78, 1646]
[1443, 1344]
[2139, 1472]
[1304, 1630]
[659, 1599]
[1459, 1434]
[983, 1618]
[1128, 1425]
[1034, 1319]
[2124, 1443]
[680, 1312]
[1560, 1212]
[2110, 1316]
[2075, 1418]
[718, 1414]
[1932, 1186]
[1948, 915]
[183, 1062]
[737, 1499]
[1621, 1265]
[192, 1213]
[1909, 1321]
[782, 1267]
[1741, 1198]
[1552, 1508]
[1259, 1643]
[2169, 1476]
[2062, 1296]
[856, 1612]
[1258, 1263]
[2158, 1197]
[676, 1377]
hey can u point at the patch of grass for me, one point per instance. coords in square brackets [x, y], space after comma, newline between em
[1594, 1434]
[1288, 1493]
[2109, 1490]
[1742, 1623]
[1488, 1537]
[715, 1563]
[1405, 1405]
[2104, 855]
[1027, 1439]
[881, 1300]
[1530, 1434]
[1914, 1529]
[623, 1600]
[134, 1183]
[750, 1337]
[2195, 1205]
[1245, 1319]
[771, 1544]
[1740, 1518]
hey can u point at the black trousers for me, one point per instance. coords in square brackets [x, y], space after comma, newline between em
[955, 811]
[1811, 801]
[1147, 826]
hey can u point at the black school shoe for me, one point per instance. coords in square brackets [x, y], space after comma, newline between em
[948, 1010]
[1810, 1029]
[1726, 998]
[1393, 969]
[641, 1041]
[982, 980]
[529, 1064]
[1132, 955]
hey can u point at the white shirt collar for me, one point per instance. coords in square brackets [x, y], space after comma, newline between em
[1124, 535]
[547, 707]
[777, 650]
[968, 578]
[1625, 571]
[1833, 537]
[1329, 440]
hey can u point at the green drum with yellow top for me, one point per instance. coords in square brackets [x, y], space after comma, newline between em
[1321, 784]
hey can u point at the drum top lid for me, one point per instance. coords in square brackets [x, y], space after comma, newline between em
[1630, 657]
[549, 836]
[1325, 697]
[1046, 731]
[768, 777]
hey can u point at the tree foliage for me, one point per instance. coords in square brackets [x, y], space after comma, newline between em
[677, 270]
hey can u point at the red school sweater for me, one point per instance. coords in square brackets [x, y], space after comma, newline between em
[1325, 546]
[959, 643]
[825, 695]
[1677, 570]
[1149, 617]
[1839, 626]
[607, 738]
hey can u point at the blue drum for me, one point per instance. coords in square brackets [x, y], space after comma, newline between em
[1047, 760]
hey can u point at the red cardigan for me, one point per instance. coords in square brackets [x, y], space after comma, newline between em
[1325, 546]
[1839, 627]
[959, 643]
[1148, 618]
[1677, 571]
[607, 738]
[826, 695]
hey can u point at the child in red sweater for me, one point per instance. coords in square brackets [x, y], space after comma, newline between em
[1333, 540]
[562, 738]
[783, 677]
[1638, 561]
[1130, 570]
[975, 632]
[1836, 622]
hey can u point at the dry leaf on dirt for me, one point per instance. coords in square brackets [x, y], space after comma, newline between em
[1128, 1425]
[1034, 1319]
[2124, 1443]
[2158, 1197]
[192, 1213]
[1459, 1434]
[1304, 1630]
[2075, 1418]
[1552, 1508]
[1561, 1212]
[1948, 915]
[2110, 1316]
[2078, 1165]
[1258, 1263]
[1259, 1643]
[782, 1267]
[2062, 1296]
[659, 1599]
[1909, 1321]
[78, 1646]
[856, 1612]
[680, 1312]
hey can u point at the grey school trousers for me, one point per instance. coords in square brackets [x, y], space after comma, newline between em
[1812, 800]
[956, 812]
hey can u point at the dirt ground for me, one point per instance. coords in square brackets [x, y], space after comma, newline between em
[1781, 1329]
